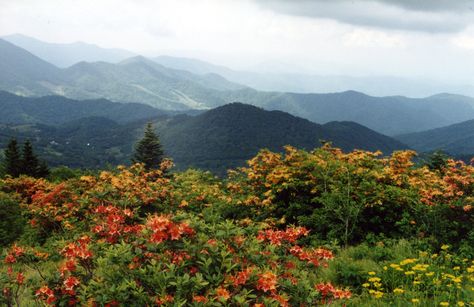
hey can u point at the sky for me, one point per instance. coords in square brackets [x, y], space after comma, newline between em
[430, 39]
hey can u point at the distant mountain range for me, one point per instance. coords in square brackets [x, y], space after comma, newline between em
[457, 139]
[311, 83]
[136, 79]
[261, 78]
[84, 134]
[65, 55]
[143, 80]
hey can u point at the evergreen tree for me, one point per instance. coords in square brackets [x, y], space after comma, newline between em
[12, 162]
[43, 169]
[29, 161]
[148, 150]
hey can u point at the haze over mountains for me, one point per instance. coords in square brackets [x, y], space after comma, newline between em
[267, 78]
[139, 79]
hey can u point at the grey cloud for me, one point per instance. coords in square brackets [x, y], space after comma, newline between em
[431, 5]
[434, 16]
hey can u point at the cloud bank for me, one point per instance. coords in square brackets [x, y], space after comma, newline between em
[433, 16]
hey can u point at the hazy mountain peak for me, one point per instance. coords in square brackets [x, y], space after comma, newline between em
[67, 54]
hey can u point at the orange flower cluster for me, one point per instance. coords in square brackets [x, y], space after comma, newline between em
[327, 291]
[79, 249]
[46, 294]
[163, 228]
[113, 223]
[267, 282]
[277, 237]
[313, 256]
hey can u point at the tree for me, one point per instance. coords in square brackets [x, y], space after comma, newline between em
[29, 161]
[30, 164]
[148, 150]
[12, 162]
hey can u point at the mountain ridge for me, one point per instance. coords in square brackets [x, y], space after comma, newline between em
[217, 139]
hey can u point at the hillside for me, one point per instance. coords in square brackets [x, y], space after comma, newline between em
[230, 134]
[216, 140]
[457, 139]
[57, 110]
[25, 73]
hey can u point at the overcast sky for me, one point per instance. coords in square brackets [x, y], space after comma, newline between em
[412, 38]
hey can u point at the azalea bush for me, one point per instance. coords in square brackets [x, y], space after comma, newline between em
[275, 233]
[351, 197]
[131, 237]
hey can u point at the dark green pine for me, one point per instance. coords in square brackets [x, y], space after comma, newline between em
[29, 161]
[149, 150]
[12, 162]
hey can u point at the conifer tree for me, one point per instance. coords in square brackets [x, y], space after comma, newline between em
[29, 161]
[12, 162]
[148, 150]
[30, 164]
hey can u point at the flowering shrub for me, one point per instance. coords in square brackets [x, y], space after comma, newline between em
[126, 238]
[153, 238]
[348, 196]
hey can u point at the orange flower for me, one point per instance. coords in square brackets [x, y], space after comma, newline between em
[10, 259]
[222, 293]
[241, 277]
[20, 278]
[200, 299]
[267, 282]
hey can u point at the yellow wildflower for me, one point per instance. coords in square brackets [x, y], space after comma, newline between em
[408, 261]
[457, 279]
[444, 304]
[445, 247]
[398, 291]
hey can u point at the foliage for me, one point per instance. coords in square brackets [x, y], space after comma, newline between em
[11, 221]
